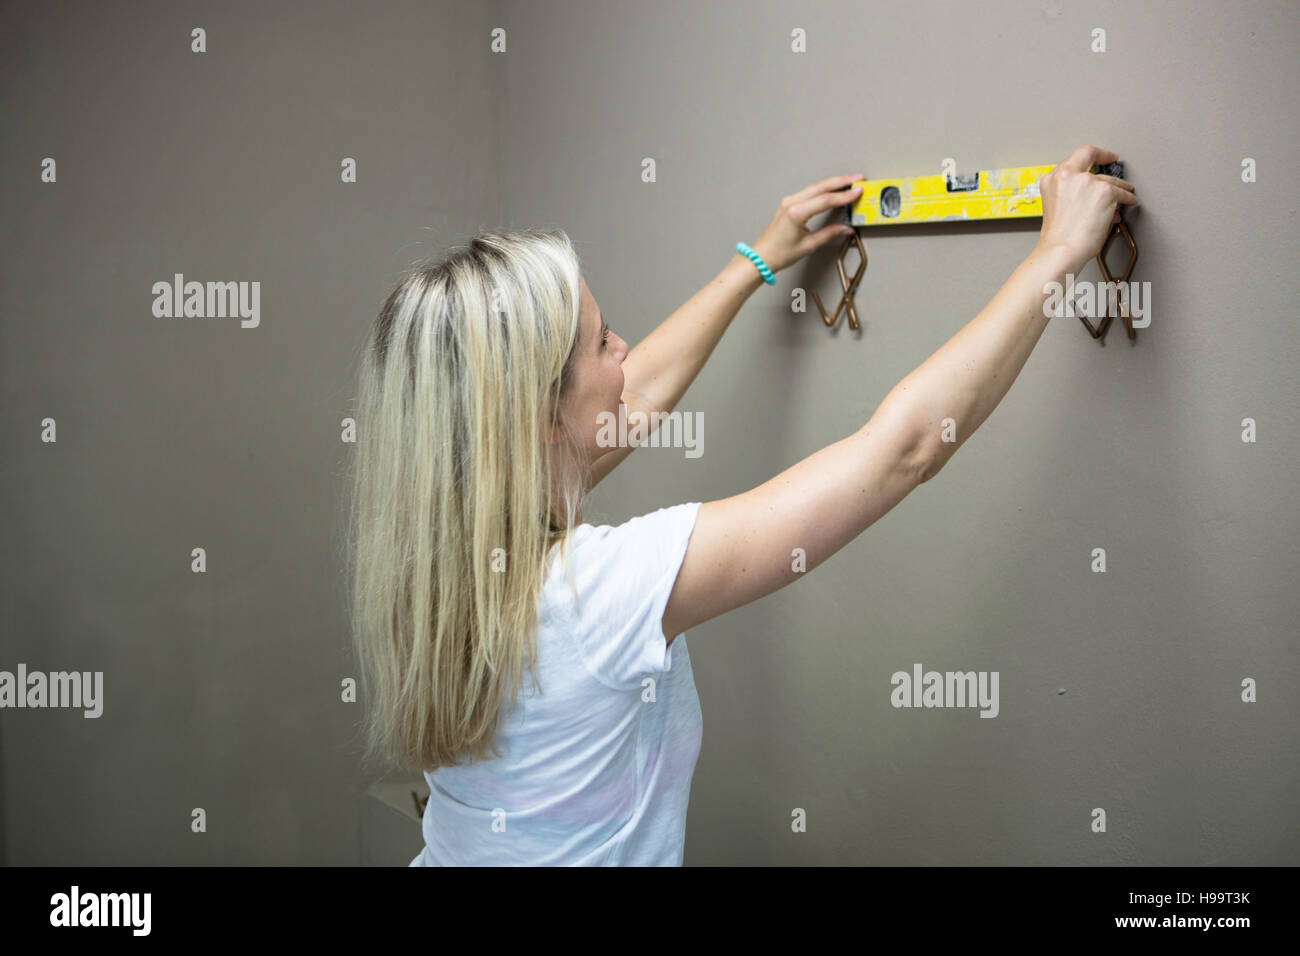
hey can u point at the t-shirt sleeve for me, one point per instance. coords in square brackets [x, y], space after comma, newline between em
[624, 575]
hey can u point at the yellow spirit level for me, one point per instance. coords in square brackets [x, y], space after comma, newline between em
[988, 194]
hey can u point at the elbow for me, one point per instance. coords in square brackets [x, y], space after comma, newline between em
[921, 460]
[927, 466]
[915, 446]
[918, 451]
[934, 454]
[928, 454]
[923, 454]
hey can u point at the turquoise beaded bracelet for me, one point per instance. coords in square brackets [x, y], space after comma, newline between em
[755, 258]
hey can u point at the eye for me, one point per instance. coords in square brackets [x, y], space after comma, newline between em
[604, 337]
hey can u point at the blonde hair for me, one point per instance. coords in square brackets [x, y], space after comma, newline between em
[454, 490]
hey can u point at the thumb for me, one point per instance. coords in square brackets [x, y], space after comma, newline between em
[835, 230]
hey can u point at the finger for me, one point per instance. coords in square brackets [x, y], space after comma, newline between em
[818, 239]
[1085, 157]
[1123, 196]
[835, 182]
[1114, 220]
[1116, 181]
[803, 211]
[822, 236]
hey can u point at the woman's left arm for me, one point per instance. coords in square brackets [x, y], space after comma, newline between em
[662, 366]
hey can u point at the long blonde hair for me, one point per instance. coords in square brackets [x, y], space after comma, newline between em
[455, 489]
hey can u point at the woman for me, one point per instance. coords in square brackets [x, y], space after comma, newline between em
[483, 398]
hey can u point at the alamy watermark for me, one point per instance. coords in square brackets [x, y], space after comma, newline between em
[950, 689]
[56, 689]
[1096, 300]
[75, 908]
[212, 300]
[673, 429]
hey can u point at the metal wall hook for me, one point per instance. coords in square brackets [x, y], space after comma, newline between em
[1118, 229]
[848, 285]
[1012, 193]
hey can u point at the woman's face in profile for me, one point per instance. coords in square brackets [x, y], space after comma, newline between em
[597, 383]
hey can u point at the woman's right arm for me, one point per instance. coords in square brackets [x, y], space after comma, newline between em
[747, 546]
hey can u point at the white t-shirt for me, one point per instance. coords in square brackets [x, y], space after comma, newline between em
[595, 770]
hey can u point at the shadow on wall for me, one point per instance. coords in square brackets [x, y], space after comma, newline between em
[390, 822]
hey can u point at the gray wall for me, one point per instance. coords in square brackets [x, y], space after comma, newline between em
[1133, 449]
[222, 689]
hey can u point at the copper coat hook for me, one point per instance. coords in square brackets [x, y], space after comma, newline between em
[1118, 229]
[848, 285]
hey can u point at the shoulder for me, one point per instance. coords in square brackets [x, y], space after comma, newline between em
[617, 579]
[640, 549]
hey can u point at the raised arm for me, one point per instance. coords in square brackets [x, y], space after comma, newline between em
[657, 372]
[744, 547]
[663, 365]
